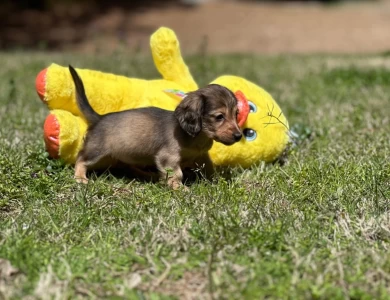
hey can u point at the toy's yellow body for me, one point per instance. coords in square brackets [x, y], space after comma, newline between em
[65, 127]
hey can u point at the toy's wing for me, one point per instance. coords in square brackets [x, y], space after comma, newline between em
[168, 60]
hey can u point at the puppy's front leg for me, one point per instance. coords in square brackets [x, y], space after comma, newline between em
[206, 165]
[175, 179]
[170, 171]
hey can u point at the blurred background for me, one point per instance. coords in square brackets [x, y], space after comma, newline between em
[215, 26]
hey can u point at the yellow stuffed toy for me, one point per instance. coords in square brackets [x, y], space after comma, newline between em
[265, 128]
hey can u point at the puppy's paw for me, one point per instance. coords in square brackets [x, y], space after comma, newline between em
[82, 180]
[185, 188]
[181, 187]
[176, 185]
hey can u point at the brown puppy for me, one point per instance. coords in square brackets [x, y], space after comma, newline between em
[156, 137]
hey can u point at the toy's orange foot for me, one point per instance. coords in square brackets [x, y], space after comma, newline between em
[40, 84]
[51, 133]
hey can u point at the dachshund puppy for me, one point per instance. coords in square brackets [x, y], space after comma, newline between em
[167, 140]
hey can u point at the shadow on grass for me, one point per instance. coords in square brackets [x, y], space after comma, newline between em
[146, 175]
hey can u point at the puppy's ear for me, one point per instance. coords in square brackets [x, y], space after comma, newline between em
[189, 113]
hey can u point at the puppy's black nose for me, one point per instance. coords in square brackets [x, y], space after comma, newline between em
[237, 136]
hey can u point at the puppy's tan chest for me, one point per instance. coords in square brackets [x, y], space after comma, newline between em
[198, 148]
[188, 156]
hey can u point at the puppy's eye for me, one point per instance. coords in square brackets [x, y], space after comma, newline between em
[249, 134]
[219, 117]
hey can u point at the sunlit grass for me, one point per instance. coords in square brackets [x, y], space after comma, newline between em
[316, 228]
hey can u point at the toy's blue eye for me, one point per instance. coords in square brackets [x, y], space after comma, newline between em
[252, 107]
[250, 134]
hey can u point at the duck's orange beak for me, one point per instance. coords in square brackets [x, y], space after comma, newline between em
[243, 108]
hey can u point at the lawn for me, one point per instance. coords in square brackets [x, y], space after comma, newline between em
[315, 228]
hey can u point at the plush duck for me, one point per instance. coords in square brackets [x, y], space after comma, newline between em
[264, 126]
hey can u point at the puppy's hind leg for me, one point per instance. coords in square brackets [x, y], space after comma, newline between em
[80, 172]
[86, 162]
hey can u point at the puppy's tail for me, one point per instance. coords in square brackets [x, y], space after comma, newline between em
[82, 100]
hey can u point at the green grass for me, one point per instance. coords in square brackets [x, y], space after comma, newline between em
[316, 228]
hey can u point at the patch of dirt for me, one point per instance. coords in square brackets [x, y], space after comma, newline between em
[274, 28]
[192, 285]
[10, 279]
[217, 26]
